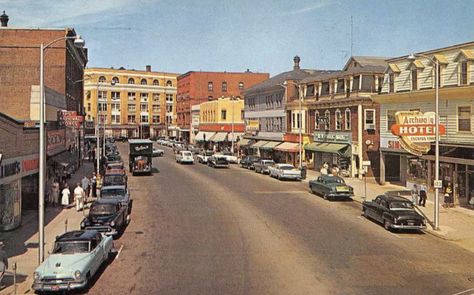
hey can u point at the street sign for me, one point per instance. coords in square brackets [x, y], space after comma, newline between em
[438, 184]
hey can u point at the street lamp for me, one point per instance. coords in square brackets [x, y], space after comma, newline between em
[412, 57]
[78, 42]
[300, 119]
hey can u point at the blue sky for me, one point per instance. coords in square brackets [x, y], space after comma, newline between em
[261, 35]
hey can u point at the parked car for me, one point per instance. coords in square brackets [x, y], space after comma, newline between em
[217, 161]
[262, 166]
[249, 161]
[108, 216]
[115, 177]
[394, 212]
[115, 165]
[229, 157]
[284, 171]
[117, 192]
[203, 157]
[331, 187]
[158, 152]
[184, 157]
[76, 257]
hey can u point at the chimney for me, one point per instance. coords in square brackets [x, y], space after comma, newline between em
[148, 68]
[4, 19]
[296, 66]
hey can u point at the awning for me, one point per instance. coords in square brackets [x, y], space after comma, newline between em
[259, 144]
[270, 145]
[333, 148]
[200, 136]
[289, 147]
[245, 141]
[219, 137]
[237, 135]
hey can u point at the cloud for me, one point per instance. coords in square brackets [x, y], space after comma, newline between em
[308, 8]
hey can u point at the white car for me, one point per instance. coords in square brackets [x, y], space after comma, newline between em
[184, 157]
[229, 158]
[284, 171]
[204, 156]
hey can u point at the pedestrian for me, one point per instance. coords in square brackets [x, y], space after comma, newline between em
[55, 192]
[423, 195]
[324, 170]
[448, 191]
[93, 185]
[65, 196]
[3, 261]
[85, 182]
[414, 194]
[79, 196]
[335, 170]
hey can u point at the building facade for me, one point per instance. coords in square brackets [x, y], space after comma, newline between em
[197, 87]
[131, 103]
[409, 85]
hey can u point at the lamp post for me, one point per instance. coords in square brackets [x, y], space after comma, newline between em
[78, 42]
[300, 119]
[412, 57]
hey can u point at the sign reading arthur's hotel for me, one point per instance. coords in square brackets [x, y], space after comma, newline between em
[416, 131]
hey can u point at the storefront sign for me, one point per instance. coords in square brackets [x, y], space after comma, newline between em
[252, 125]
[69, 119]
[18, 167]
[56, 140]
[416, 131]
[339, 137]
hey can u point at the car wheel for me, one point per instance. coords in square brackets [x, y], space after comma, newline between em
[387, 224]
[364, 213]
[325, 196]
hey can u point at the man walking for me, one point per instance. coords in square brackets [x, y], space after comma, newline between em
[79, 196]
[423, 196]
[85, 182]
[3, 261]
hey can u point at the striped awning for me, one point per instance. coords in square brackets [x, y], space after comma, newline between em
[202, 135]
[259, 144]
[270, 145]
[219, 137]
[289, 147]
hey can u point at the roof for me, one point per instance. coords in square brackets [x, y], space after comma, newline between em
[106, 201]
[368, 61]
[391, 198]
[434, 51]
[139, 141]
[77, 235]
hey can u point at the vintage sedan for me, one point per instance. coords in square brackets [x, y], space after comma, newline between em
[262, 166]
[394, 212]
[115, 177]
[117, 192]
[158, 152]
[184, 157]
[249, 162]
[284, 171]
[218, 161]
[76, 257]
[108, 216]
[204, 156]
[331, 187]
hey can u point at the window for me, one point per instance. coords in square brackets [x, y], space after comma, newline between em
[143, 82]
[131, 96]
[464, 118]
[209, 97]
[327, 120]
[241, 85]
[368, 83]
[347, 119]
[169, 108]
[115, 107]
[316, 120]
[115, 80]
[115, 95]
[115, 119]
[224, 86]
[242, 114]
[391, 120]
[325, 88]
[155, 119]
[210, 86]
[169, 83]
[414, 79]
[131, 81]
[156, 97]
[89, 107]
[102, 79]
[102, 106]
[391, 82]
[223, 114]
[380, 84]
[131, 119]
[463, 73]
[169, 97]
[369, 119]
[338, 119]
[144, 107]
[144, 118]
[310, 90]
[340, 86]
[156, 83]
[88, 95]
[355, 83]
[143, 96]
[102, 95]
[131, 108]
[156, 108]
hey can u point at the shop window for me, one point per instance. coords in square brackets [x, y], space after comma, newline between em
[391, 120]
[347, 119]
[464, 118]
[417, 170]
[369, 119]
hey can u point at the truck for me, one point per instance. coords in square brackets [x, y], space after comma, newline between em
[140, 156]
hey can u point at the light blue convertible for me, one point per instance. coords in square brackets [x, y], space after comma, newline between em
[76, 257]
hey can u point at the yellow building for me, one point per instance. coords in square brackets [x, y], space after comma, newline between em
[133, 103]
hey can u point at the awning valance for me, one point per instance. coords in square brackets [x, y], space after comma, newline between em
[270, 145]
[202, 135]
[333, 148]
[289, 147]
[259, 144]
[219, 137]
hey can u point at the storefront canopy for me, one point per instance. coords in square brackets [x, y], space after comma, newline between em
[333, 148]
[270, 145]
[259, 144]
[200, 136]
[289, 147]
[219, 137]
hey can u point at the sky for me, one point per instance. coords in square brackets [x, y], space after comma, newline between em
[261, 35]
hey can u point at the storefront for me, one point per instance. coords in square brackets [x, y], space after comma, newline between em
[333, 148]
[287, 152]
[267, 150]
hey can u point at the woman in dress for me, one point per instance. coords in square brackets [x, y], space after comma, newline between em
[65, 196]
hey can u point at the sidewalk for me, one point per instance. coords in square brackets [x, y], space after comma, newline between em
[456, 224]
[22, 243]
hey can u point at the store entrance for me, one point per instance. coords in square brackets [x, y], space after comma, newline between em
[392, 168]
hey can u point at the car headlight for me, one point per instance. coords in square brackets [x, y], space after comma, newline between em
[112, 223]
[36, 276]
[77, 274]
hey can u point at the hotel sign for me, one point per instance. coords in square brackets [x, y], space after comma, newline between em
[416, 131]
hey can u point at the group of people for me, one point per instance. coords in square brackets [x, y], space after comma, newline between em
[419, 194]
[325, 170]
[84, 189]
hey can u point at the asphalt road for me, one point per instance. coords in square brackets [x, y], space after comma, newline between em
[199, 230]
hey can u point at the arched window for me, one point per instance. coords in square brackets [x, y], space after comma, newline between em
[143, 82]
[156, 83]
[101, 79]
[316, 120]
[327, 122]
[169, 83]
[338, 120]
[347, 119]
[131, 81]
[115, 80]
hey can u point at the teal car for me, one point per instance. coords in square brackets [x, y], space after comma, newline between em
[76, 257]
[331, 187]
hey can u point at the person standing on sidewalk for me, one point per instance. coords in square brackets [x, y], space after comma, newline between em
[85, 182]
[3, 262]
[414, 194]
[79, 196]
[423, 196]
[65, 196]
[55, 192]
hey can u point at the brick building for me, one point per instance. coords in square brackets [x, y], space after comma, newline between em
[197, 87]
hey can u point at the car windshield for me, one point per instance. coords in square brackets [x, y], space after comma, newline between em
[209, 153]
[221, 160]
[335, 180]
[187, 154]
[286, 167]
[102, 209]
[111, 193]
[71, 247]
[113, 179]
[400, 205]
[268, 162]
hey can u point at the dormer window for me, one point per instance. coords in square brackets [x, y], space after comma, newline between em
[356, 83]
[463, 72]
[310, 90]
[414, 79]
[391, 82]
[340, 86]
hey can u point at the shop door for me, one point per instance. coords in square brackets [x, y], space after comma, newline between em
[392, 168]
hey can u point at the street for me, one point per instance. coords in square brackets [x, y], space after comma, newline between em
[199, 230]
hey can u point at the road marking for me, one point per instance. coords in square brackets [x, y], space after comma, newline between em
[118, 253]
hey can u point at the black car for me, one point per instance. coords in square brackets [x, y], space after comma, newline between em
[218, 162]
[108, 216]
[394, 212]
[249, 161]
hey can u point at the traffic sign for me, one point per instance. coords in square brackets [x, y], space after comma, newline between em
[438, 184]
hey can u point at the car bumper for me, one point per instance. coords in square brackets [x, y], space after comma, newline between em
[62, 286]
[221, 166]
[293, 177]
[340, 195]
[402, 226]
